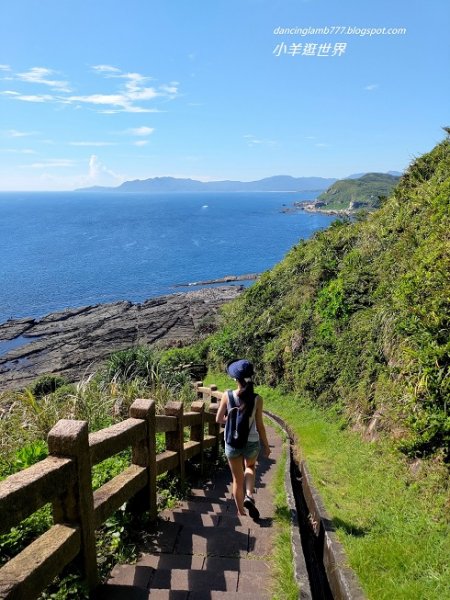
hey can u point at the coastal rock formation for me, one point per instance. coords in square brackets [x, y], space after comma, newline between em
[226, 279]
[73, 343]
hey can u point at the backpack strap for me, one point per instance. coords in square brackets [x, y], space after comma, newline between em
[253, 415]
[231, 400]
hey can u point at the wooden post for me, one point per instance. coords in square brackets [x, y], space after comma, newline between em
[214, 428]
[212, 399]
[144, 455]
[198, 431]
[197, 385]
[175, 439]
[70, 439]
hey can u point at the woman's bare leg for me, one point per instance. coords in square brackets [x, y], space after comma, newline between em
[237, 471]
[249, 476]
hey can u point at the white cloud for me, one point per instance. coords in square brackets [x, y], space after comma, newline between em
[29, 98]
[134, 78]
[99, 174]
[116, 102]
[129, 109]
[94, 167]
[371, 87]
[108, 99]
[105, 69]
[132, 96]
[17, 151]
[135, 93]
[252, 140]
[141, 143]
[52, 163]
[170, 89]
[14, 133]
[141, 131]
[92, 143]
[322, 145]
[41, 75]
[62, 174]
[5, 68]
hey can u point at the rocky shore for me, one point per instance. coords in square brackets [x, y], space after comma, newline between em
[73, 343]
[226, 279]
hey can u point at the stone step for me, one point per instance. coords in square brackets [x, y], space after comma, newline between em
[195, 580]
[265, 510]
[192, 518]
[227, 575]
[213, 541]
[207, 507]
[195, 573]
[202, 550]
[220, 492]
[195, 519]
[119, 592]
[240, 541]
[220, 596]
[189, 561]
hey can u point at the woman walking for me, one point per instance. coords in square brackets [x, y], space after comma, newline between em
[241, 412]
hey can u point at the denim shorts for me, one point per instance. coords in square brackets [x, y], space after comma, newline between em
[250, 450]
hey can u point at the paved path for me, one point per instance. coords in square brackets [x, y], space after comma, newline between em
[202, 550]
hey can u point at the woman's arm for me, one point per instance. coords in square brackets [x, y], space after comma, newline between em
[260, 426]
[221, 413]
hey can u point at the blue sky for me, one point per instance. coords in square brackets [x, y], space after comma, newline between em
[101, 91]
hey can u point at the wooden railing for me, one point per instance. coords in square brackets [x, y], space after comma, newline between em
[64, 479]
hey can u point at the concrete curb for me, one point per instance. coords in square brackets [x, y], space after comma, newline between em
[300, 569]
[341, 578]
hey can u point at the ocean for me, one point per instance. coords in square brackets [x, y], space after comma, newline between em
[69, 249]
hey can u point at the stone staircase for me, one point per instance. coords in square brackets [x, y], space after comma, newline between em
[202, 550]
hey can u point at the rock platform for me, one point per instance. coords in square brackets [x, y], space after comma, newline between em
[74, 342]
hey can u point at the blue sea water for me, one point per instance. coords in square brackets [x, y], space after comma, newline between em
[69, 249]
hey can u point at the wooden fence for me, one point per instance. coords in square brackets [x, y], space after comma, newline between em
[64, 479]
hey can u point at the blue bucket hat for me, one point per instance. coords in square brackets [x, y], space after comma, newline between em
[240, 369]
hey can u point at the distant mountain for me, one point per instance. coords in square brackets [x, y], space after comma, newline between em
[359, 175]
[355, 194]
[278, 183]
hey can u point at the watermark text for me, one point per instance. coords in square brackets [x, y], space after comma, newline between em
[310, 49]
[340, 30]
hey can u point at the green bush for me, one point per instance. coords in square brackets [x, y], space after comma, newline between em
[137, 362]
[47, 384]
[359, 315]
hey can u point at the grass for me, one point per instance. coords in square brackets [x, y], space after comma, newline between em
[101, 400]
[393, 521]
[284, 584]
[359, 315]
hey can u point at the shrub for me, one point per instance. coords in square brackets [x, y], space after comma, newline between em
[46, 384]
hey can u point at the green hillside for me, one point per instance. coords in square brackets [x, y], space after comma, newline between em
[364, 193]
[359, 316]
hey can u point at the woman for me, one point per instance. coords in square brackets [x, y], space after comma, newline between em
[242, 461]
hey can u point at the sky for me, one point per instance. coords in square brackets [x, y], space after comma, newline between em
[96, 92]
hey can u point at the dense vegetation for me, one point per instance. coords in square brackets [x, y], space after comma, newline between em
[359, 316]
[364, 193]
[27, 417]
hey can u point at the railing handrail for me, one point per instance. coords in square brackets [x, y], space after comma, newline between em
[64, 479]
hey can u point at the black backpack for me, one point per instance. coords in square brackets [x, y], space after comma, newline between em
[237, 426]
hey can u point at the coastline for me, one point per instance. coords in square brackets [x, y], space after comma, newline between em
[226, 279]
[311, 208]
[74, 342]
